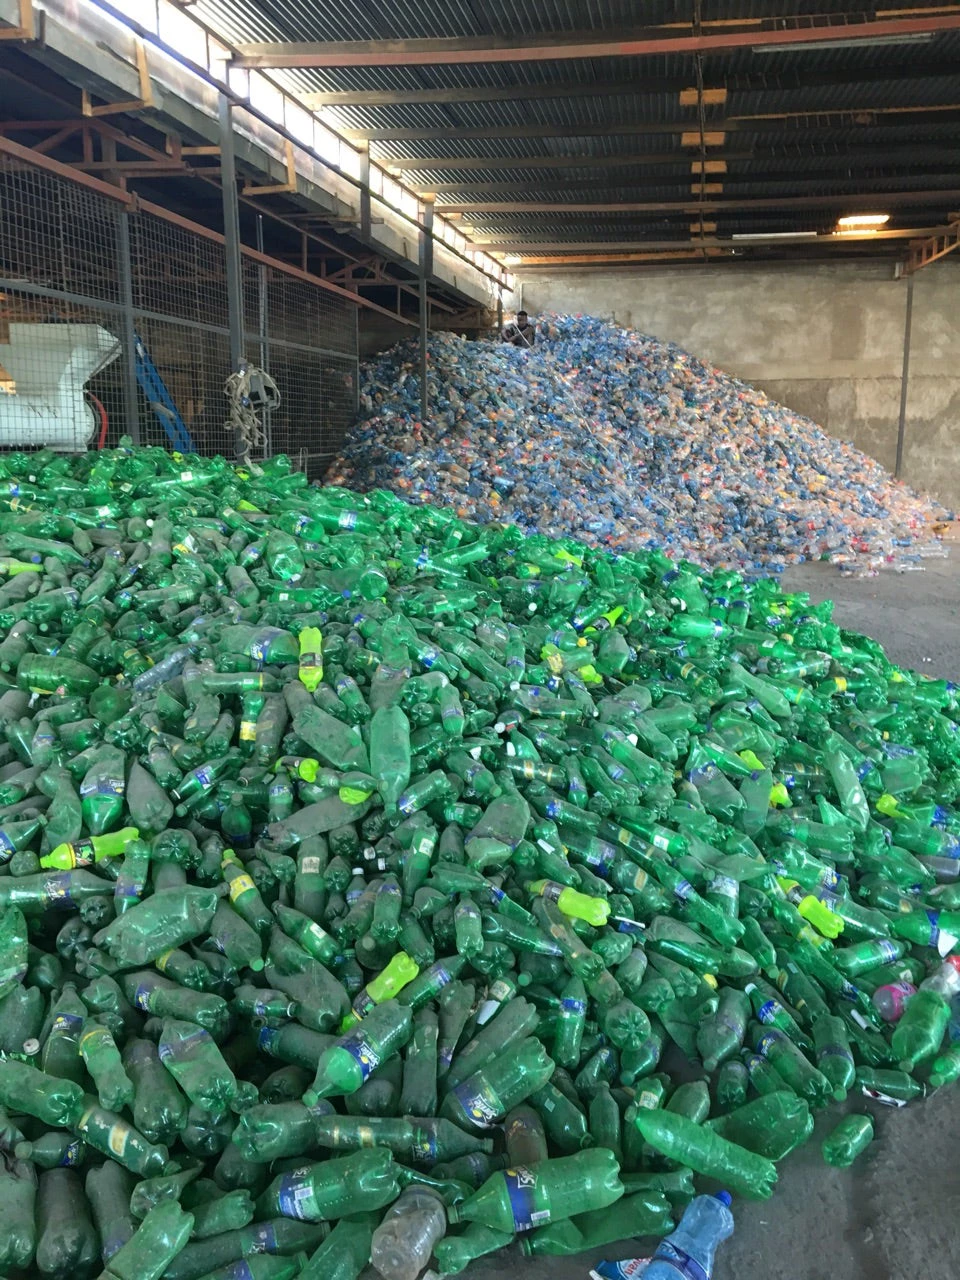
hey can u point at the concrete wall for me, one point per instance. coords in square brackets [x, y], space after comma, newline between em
[827, 341]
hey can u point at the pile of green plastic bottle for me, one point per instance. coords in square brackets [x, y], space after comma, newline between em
[370, 878]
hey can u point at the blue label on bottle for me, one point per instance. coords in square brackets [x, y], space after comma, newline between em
[268, 1039]
[683, 890]
[570, 1004]
[768, 1011]
[56, 890]
[682, 1263]
[295, 1196]
[67, 1023]
[934, 918]
[766, 1042]
[362, 1051]
[424, 1147]
[6, 844]
[480, 1104]
[347, 520]
[889, 950]
[835, 1051]
[73, 1155]
[521, 1188]
[263, 1238]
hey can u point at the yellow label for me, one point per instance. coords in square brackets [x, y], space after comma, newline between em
[162, 961]
[117, 1139]
[248, 730]
[241, 884]
[841, 683]
[710, 980]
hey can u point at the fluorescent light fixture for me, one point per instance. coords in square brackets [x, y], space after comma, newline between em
[864, 42]
[774, 235]
[860, 220]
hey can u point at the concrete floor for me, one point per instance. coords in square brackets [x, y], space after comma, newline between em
[893, 1216]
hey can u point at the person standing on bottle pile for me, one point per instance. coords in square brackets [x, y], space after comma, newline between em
[522, 333]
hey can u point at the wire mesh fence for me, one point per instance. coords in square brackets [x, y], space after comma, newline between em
[116, 322]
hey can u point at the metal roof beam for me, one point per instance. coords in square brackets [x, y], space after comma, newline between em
[890, 199]
[837, 29]
[520, 245]
[647, 86]
[941, 162]
[774, 122]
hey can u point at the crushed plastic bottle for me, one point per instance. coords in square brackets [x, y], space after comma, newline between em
[611, 437]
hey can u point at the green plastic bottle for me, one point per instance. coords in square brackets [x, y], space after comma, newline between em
[485, 1097]
[522, 1199]
[847, 1141]
[334, 1189]
[704, 1151]
[345, 1067]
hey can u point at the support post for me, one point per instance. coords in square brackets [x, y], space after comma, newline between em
[131, 401]
[365, 222]
[426, 270]
[904, 377]
[499, 311]
[231, 239]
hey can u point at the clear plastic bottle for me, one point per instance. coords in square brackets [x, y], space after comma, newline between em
[404, 1241]
[689, 1251]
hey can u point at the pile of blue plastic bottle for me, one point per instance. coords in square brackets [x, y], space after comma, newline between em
[621, 440]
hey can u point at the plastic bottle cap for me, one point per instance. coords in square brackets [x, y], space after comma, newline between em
[724, 1197]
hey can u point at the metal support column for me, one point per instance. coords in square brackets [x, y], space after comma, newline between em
[499, 311]
[365, 220]
[131, 400]
[904, 376]
[231, 240]
[426, 270]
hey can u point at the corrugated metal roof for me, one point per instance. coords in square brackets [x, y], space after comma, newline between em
[800, 122]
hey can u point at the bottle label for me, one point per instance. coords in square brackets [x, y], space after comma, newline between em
[295, 1198]
[268, 1039]
[679, 1261]
[481, 1105]
[117, 1139]
[363, 1053]
[841, 1051]
[6, 845]
[521, 1188]
[769, 1010]
[310, 866]
[683, 890]
[102, 787]
[66, 1023]
[240, 884]
[141, 997]
[888, 950]
[424, 1147]
[571, 1005]
[500, 991]
[72, 1156]
[726, 886]
[180, 1050]
[248, 730]
[765, 1044]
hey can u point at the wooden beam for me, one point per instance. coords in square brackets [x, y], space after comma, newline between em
[24, 28]
[943, 241]
[278, 188]
[838, 29]
[143, 103]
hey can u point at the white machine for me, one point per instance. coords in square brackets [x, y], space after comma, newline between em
[50, 365]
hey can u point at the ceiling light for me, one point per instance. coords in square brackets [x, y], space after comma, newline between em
[860, 220]
[864, 42]
[774, 235]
